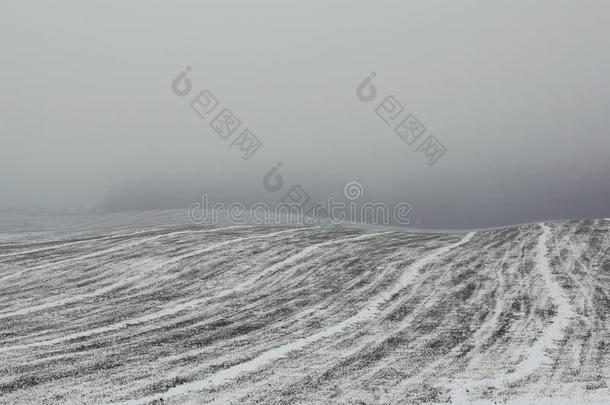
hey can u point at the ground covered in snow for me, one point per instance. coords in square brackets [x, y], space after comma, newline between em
[148, 309]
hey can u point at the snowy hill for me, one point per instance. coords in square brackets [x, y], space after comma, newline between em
[239, 314]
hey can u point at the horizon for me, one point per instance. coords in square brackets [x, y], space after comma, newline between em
[454, 109]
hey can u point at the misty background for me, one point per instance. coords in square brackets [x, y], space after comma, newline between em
[518, 92]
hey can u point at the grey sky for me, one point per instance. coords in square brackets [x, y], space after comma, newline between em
[517, 91]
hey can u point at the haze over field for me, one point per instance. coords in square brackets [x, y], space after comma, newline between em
[305, 202]
[518, 92]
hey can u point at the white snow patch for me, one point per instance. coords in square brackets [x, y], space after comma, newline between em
[368, 312]
[535, 355]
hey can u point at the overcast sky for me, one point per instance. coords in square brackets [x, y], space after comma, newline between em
[518, 92]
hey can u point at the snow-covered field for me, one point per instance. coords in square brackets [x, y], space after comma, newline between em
[146, 308]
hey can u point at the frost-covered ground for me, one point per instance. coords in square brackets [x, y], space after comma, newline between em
[143, 308]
